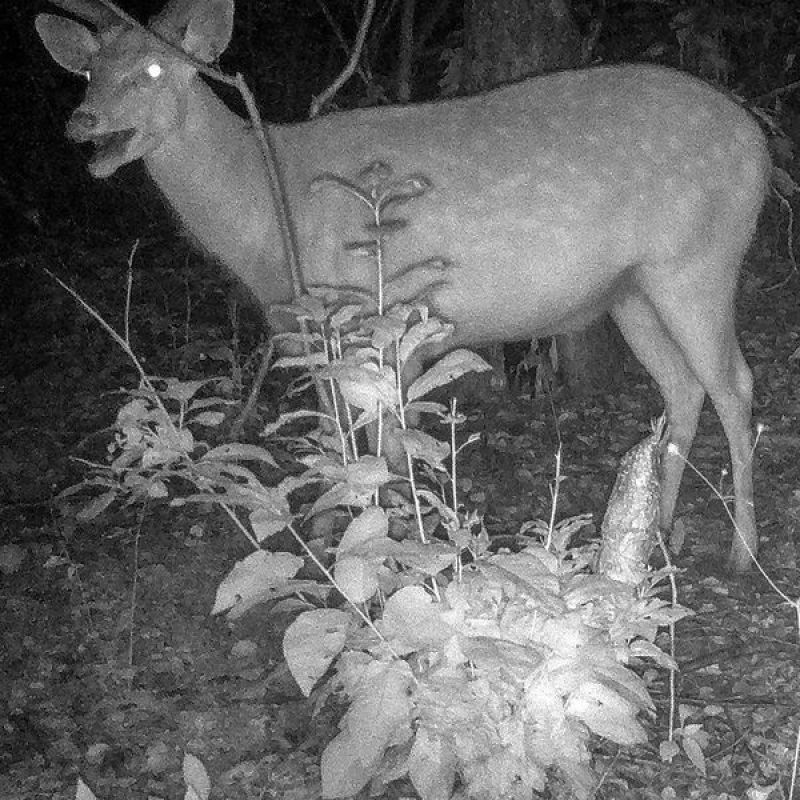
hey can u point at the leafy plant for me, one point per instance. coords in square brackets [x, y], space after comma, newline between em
[457, 664]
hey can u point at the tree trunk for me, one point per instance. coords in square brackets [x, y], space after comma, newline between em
[505, 40]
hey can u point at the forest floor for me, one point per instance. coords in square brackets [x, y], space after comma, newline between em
[111, 667]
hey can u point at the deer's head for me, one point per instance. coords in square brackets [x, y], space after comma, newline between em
[137, 83]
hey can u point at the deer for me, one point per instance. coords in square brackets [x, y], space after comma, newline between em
[632, 190]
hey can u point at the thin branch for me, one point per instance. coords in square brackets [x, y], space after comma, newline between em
[406, 56]
[382, 21]
[781, 90]
[350, 68]
[339, 34]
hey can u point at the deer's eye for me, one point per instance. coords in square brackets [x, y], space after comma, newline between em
[154, 70]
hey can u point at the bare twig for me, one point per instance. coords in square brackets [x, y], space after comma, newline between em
[343, 43]
[350, 67]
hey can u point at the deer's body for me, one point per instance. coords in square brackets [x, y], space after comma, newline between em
[631, 189]
[642, 209]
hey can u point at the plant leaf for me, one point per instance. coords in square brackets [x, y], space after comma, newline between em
[258, 577]
[235, 451]
[198, 784]
[413, 620]
[431, 330]
[344, 772]
[419, 444]
[271, 517]
[96, 506]
[606, 713]
[695, 753]
[379, 716]
[668, 750]
[447, 369]
[431, 767]
[312, 642]
[83, 792]
[356, 578]
[372, 523]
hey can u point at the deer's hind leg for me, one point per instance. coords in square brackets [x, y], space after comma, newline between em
[695, 350]
[682, 393]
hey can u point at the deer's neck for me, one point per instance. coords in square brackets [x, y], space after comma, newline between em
[212, 174]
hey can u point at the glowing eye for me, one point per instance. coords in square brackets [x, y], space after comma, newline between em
[154, 70]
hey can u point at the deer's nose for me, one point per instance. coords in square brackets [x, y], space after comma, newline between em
[82, 122]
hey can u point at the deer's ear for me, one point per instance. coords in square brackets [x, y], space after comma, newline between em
[209, 29]
[70, 44]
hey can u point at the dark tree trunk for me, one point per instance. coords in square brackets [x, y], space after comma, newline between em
[505, 40]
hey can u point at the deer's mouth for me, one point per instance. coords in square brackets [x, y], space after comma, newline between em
[112, 150]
